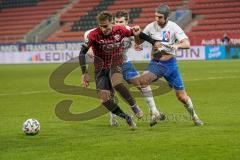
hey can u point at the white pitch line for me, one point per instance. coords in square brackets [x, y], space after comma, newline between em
[49, 91]
[24, 93]
[212, 78]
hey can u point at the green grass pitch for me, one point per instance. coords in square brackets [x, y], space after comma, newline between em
[214, 87]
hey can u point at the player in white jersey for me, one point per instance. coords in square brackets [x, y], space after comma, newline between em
[171, 37]
[131, 75]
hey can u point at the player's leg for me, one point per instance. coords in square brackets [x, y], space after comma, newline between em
[104, 89]
[175, 81]
[115, 109]
[186, 100]
[117, 83]
[147, 78]
[154, 71]
[155, 114]
[113, 117]
[146, 90]
[131, 75]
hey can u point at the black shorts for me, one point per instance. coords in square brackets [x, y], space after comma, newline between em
[103, 78]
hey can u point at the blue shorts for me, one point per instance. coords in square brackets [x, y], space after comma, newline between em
[169, 70]
[128, 71]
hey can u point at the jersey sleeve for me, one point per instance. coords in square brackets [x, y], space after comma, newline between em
[86, 34]
[179, 33]
[88, 38]
[127, 31]
[90, 51]
[147, 29]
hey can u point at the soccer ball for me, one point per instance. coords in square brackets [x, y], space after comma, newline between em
[31, 127]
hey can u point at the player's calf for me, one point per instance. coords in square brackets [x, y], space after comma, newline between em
[124, 92]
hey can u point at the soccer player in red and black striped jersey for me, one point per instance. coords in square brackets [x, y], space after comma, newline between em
[107, 45]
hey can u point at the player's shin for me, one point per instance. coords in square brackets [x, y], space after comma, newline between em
[148, 96]
[114, 108]
[189, 106]
[193, 114]
[124, 92]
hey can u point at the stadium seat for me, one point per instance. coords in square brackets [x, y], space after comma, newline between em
[218, 17]
[20, 16]
[72, 23]
[77, 21]
[17, 3]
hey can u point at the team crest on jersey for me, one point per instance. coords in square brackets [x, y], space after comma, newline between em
[117, 37]
[166, 36]
[101, 41]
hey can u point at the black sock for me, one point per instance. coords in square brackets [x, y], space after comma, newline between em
[124, 92]
[114, 108]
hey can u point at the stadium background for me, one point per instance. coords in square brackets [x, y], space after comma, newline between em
[56, 23]
[51, 31]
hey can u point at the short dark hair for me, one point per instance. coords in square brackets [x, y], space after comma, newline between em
[122, 13]
[163, 9]
[105, 15]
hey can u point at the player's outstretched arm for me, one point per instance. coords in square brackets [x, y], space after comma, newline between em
[82, 58]
[140, 36]
[82, 62]
[147, 38]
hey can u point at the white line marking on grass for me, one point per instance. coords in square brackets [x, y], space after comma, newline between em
[24, 93]
[212, 78]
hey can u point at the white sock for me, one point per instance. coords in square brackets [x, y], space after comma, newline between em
[112, 115]
[135, 105]
[189, 107]
[148, 96]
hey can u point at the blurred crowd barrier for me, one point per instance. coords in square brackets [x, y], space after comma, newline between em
[62, 52]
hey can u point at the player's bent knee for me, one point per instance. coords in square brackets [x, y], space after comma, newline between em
[104, 95]
[136, 82]
[145, 80]
[116, 79]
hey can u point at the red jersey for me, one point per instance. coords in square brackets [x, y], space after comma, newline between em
[108, 49]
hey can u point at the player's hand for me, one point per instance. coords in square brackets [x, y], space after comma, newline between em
[157, 45]
[160, 48]
[136, 30]
[85, 80]
[137, 47]
[174, 46]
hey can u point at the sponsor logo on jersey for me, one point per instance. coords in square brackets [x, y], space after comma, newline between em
[166, 36]
[117, 37]
[101, 41]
